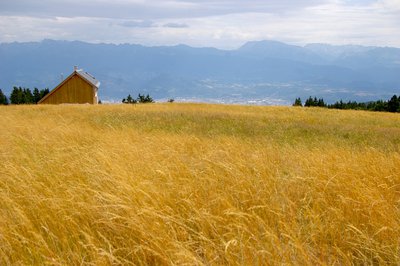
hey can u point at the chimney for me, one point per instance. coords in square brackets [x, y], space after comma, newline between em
[75, 68]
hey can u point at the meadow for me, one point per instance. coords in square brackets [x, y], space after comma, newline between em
[198, 184]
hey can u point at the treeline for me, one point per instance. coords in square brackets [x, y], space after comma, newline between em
[391, 105]
[140, 99]
[21, 95]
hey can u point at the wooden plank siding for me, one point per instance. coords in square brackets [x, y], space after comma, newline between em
[73, 90]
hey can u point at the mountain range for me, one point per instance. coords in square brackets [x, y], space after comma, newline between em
[261, 72]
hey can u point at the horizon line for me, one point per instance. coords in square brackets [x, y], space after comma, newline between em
[200, 47]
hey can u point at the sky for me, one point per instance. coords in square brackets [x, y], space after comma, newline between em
[225, 24]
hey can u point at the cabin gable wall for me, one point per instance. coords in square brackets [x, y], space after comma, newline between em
[74, 90]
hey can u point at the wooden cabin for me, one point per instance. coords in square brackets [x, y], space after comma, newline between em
[79, 87]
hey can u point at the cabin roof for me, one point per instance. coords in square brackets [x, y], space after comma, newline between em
[89, 78]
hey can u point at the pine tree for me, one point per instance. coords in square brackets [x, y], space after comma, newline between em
[148, 99]
[394, 104]
[141, 98]
[44, 92]
[381, 106]
[129, 99]
[3, 98]
[315, 101]
[298, 102]
[309, 102]
[341, 104]
[36, 95]
[320, 103]
[28, 96]
[20, 96]
[14, 96]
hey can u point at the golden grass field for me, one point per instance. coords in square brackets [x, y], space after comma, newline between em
[198, 184]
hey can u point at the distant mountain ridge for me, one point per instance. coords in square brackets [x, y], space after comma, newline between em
[266, 72]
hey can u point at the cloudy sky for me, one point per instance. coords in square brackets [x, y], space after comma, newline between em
[224, 24]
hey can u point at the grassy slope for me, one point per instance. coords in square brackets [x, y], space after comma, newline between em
[198, 184]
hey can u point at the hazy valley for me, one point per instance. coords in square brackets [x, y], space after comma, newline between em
[265, 72]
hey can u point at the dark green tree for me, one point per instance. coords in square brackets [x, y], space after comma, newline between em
[380, 106]
[297, 102]
[3, 98]
[36, 95]
[338, 105]
[44, 92]
[140, 98]
[309, 102]
[148, 99]
[129, 99]
[320, 102]
[16, 95]
[315, 102]
[21, 95]
[144, 99]
[394, 104]
[28, 96]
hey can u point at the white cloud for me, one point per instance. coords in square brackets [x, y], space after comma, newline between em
[137, 24]
[140, 9]
[390, 5]
[220, 23]
[175, 25]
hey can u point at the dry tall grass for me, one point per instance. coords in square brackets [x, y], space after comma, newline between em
[198, 184]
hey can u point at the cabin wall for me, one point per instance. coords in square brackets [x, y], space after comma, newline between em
[74, 90]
